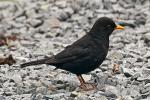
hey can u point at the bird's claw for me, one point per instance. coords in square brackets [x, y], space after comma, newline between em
[88, 86]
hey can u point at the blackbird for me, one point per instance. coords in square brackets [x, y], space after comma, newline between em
[84, 55]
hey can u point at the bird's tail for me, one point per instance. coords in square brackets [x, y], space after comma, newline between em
[37, 62]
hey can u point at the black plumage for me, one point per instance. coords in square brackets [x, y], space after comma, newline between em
[86, 54]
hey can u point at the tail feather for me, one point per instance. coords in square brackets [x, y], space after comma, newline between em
[37, 62]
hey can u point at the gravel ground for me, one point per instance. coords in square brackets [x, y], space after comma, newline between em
[45, 27]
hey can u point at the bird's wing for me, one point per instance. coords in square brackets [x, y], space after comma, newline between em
[70, 54]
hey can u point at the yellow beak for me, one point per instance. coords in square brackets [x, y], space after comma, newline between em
[119, 27]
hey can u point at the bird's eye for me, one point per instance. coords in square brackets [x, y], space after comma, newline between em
[108, 26]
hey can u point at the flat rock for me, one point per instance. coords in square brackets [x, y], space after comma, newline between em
[53, 23]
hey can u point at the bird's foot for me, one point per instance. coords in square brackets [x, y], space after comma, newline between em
[88, 86]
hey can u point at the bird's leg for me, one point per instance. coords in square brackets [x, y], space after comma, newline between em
[85, 86]
[82, 82]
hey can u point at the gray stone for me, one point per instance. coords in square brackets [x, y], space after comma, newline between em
[145, 90]
[135, 76]
[63, 15]
[17, 79]
[20, 19]
[109, 94]
[118, 45]
[83, 97]
[96, 4]
[52, 23]
[127, 98]
[111, 89]
[75, 7]
[147, 54]
[38, 97]
[69, 11]
[134, 93]
[55, 96]
[100, 79]
[116, 55]
[146, 71]
[128, 72]
[42, 90]
[26, 43]
[100, 97]
[82, 3]
[142, 78]
[2, 98]
[61, 4]
[35, 22]
[147, 36]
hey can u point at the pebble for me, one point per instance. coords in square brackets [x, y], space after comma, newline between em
[135, 76]
[53, 23]
[146, 71]
[61, 4]
[112, 89]
[144, 79]
[128, 72]
[115, 55]
[17, 79]
[35, 22]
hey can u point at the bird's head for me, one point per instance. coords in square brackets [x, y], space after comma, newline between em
[104, 26]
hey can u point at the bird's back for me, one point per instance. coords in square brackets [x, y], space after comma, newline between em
[82, 56]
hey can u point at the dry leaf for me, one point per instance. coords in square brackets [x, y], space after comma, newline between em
[8, 60]
[5, 40]
[116, 69]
